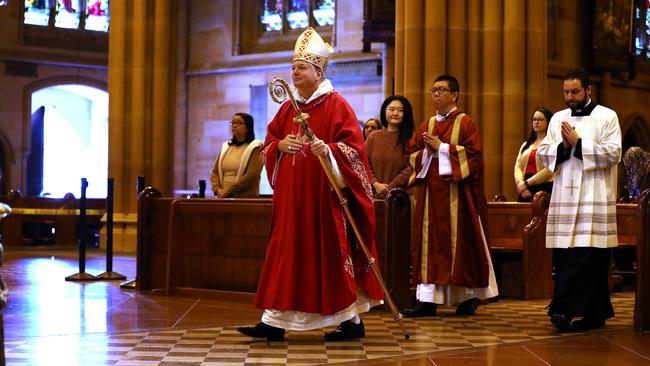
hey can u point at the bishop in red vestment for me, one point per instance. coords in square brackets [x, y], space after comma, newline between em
[313, 277]
[451, 260]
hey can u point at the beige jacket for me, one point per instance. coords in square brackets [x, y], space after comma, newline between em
[248, 174]
[543, 175]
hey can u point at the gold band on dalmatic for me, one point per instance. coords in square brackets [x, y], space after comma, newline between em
[462, 157]
[462, 161]
[425, 237]
[453, 188]
[425, 218]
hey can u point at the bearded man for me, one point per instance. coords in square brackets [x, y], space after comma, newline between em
[582, 147]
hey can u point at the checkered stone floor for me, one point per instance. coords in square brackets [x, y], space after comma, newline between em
[505, 321]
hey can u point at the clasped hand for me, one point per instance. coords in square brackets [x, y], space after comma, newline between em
[523, 190]
[433, 142]
[569, 135]
[291, 144]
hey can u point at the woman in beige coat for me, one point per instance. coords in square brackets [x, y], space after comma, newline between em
[530, 174]
[236, 171]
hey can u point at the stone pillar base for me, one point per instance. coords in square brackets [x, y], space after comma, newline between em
[125, 233]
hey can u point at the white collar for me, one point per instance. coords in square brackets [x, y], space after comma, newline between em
[323, 88]
[441, 118]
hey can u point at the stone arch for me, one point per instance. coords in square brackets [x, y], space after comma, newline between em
[635, 131]
[29, 89]
[8, 157]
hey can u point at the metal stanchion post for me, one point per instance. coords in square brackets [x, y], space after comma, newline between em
[139, 185]
[201, 188]
[5, 210]
[109, 274]
[82, 275]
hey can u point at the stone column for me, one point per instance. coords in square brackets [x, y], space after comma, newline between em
[400, 23]
[435, 44]
[496, 49]
[141, 108]
[513, 103]
[490, 113]
[388, 70]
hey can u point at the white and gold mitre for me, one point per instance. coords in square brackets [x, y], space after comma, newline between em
[311, 48]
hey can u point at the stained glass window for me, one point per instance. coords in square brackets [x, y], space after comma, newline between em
[97, 15]
[298, 14]
[274, 25]
[324, 12]
[278, 15]
[3, 2]
[37, 12]
[71, 24]
[272, 15]
[642, 31]
[68, 14]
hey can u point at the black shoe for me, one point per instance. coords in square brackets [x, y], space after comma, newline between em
[421, 309]
[467, 307]
[585, 324]
[262, 330]
[345, 331]
[561, 322]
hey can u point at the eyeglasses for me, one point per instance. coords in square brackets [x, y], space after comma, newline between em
[439, 90]
[237, 123]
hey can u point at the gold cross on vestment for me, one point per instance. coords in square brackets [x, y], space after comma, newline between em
[572, 187]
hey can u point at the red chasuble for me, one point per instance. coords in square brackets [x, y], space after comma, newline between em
[311, 265]
[454, 203]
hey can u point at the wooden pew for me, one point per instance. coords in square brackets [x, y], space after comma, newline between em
[4, 211]
[522, 262]
[207, 245]
[61, 213]
[517, 243]
[196, 245]
[627, 219]
[153, 229]
[642, 304]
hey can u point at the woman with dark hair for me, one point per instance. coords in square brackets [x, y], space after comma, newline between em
[236, 171]
[371, 126]
[389, 166]
[530, 174]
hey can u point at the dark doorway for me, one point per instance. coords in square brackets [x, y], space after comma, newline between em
[35, 157]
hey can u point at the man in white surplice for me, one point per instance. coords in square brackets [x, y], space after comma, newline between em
[582, 147]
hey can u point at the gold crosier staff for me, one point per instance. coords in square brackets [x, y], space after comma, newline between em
[279, 89]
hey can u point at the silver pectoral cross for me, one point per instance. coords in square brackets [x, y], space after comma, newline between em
[572, 187]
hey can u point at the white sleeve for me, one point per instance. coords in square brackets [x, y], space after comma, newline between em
[426, 163]
[340, 181]
[444, 163]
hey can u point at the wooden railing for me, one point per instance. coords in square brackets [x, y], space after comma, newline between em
[219, 245]
[642, 304]
[62, 214]
[517, 243]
